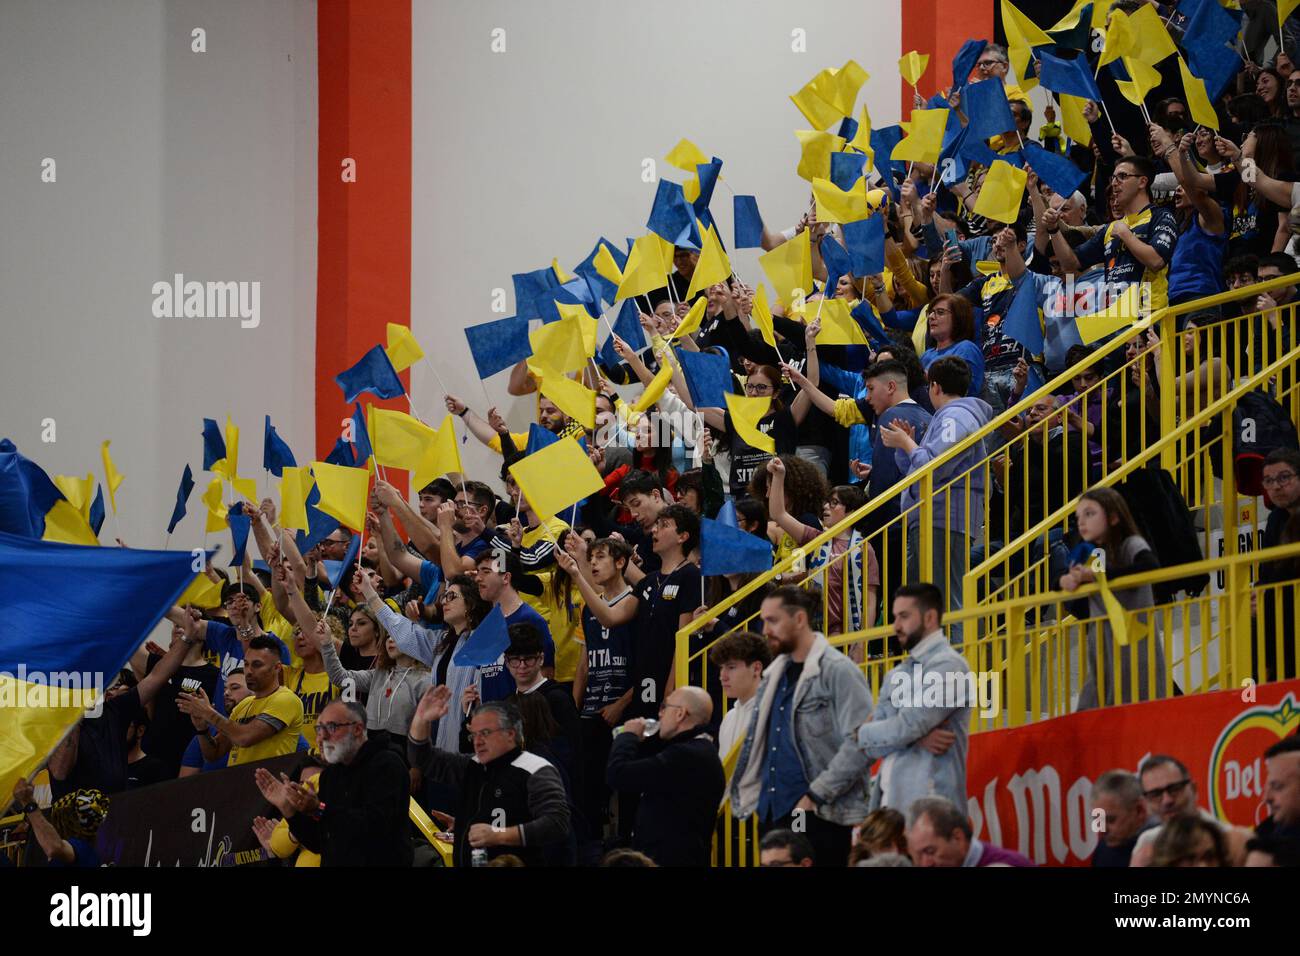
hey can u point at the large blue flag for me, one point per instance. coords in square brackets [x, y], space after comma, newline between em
[498, 344]
[1210, 40]
[1021, 322]
[866, 316]
[26, 493]
[342, 454]
[671, 216]
[373, 373]
[748, 223]
[708, 377]
[45, 591]
[838, 262]
[182, 498]
[1067, 76]
[987, 111]
[530, 287]
[1054, 169]
[276, 454]
[214, 446]
[240, 524]
[864, 241]
[727, 550]
[487, 643]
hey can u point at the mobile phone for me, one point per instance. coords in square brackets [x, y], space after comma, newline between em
[190, 685]
[950, 237]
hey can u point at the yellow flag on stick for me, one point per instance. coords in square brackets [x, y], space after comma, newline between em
[557, 477]
[645, 270]
[80, 492]
[713, 266]
[1125, 627]
[295, 486]
[1021, 30]
[812, 103]
[924, 141]
[1072, 120]
[789, 268]
[815, 148]
[398, 439]
[1284, 10]
[216, 519]
[112, 477]
[559, 272]
[1145, 79]
[228, 467]
[658, 385]
[1119, 39]
[1002, 192]
[585, 321]
[344, 492]
[570, 396]
[1121, 314]
[605, 265]
[202, 593]
[844, 86]
[838, 205]
[746, 413]
[862, 139]
[686, 156]
[1152, 42]
[690, 322]
[246, 488]
[761, 315]
[65, 523]
[838, 326]
[402, 349]
[1198, 101]
[912, 65]
[562, 345]
[442, 457]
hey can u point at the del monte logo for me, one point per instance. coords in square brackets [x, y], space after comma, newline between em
[1237, 760]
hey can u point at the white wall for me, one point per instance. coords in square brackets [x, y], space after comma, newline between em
[167, 161]
[536, 152]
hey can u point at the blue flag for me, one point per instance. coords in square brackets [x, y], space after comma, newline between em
[846, 169]
[987, 111]
[848, 130]
[727, 514]
[725, 550]
[182, 498]
[342, 454]
[319, 525]
[1054, 169]
[838, 261]
[45, 591]
[671, 216]
[276, 454]
[708, 376]
[1067, 76]
[97, 510]
[864, 241]
[1021, 322]
[487, 643]
[866, 317]
[965, 61]
[240, 525]
[498, 344]
[374, 373]
[587, 267]
[348, 564]
[628, 328]
[883, 141]
[26, 493]
[539, 438]
[361, 436]
[1209, 41]
[707, 173]
[214, 446]
[531, 287]
[749, 224]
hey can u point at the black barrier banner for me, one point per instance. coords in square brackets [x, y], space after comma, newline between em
[204, 820]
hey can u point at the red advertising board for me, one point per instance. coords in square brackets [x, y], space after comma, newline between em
[1029, 786]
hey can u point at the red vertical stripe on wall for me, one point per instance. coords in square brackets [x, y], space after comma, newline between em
[363, 273]
[939, 28]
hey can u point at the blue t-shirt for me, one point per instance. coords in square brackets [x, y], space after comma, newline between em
[884, 470]
[86, 855]
[965, 349]
[193, 757]
[495, 682]
[1196, 269]
[609, 659]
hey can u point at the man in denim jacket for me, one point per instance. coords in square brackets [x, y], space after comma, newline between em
[800, 767]
[922, 720]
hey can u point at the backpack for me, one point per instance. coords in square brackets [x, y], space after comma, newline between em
[1271, 428]
[1164, 520]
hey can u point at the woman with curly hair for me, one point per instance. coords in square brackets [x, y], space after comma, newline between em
[806, 492]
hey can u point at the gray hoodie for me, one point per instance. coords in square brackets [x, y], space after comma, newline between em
[949, 426]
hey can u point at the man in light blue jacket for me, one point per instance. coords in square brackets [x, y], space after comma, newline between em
[921, 724]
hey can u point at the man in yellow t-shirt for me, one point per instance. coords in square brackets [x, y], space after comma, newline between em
[265, 724]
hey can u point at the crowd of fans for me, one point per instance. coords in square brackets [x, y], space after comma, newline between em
[577, 746]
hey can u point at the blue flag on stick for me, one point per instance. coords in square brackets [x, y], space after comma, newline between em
[214, 446]
[838, 262]
[986, 108]
[347, 565]
[708, 376]
[864, 241]
[342, 454]
[707, 173]
[749, 224]
[240, 525]
[1054, 169]
[374, 373]
[26, 493]
[488, 642]
[846, 169]
[182, 498]
[539, 438]
[361, 436]
[627, 326]
[1067, 76]
[671, 216]
[965, 61]
[530, 287]
[498, 344]
[97, 510]
[726, 550]
[276, 454]
[1021, 322]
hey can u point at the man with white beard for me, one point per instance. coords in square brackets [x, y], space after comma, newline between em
[359, 815]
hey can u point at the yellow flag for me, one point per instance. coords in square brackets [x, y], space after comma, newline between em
[686, 156]
[1198, 101]
[228, 467]
[442, 457]
[1099, 10]
[1020, 30]
[838, 327]
[789, 268]
[1121, 314]
[557, 477]
[838, 205]
[80, 492]
[606, 266]
[344, 492]
[402, 349]
[1152, 42]
[562, 345]
[399, 440]
[691, 189]
[1071, 19]
[1284, 10]
[713, 266]
[559, 274]
[746, 413]
[815, 148]
[586, 323]
[817, 111]
[295, 486]
[1072, 121]
[658, 385]
[65, 523]
[245, 487]
[924, 141]
[1119, 39]
[1124, 626]
[912, 65]
[112, 477]
[761, 315]
[570, 396]
[1145, 79]
[202, 593]
[862, 139]
[216, 520]
[1002, 192]
[844, 85]
[645, 270]
[691, 320]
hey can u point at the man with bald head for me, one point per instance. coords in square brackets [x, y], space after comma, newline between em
[679, 776]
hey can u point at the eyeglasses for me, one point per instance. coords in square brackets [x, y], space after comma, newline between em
[755, 387]
[1173, 790]
[1120, 177]
[330, 728]
[1277, 481]
[988, 64]
[485, 734]
[450, 596]
[515, 659]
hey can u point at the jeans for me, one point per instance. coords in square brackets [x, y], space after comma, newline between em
[950, 550]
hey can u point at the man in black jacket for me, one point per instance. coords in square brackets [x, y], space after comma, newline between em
[510, 800]
[359, 816]
[679, 776]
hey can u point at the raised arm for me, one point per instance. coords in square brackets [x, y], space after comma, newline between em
[803, 401]
[776, 503]
[600, 609]
[480, 429]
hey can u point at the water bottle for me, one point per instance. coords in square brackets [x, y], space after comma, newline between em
[649, 730]
[478, 858]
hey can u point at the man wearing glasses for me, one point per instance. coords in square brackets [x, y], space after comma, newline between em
[1276, 616]
[1170, 791]
[358, 816]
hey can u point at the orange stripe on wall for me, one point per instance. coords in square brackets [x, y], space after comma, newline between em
[939, 28]
[363, 277]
